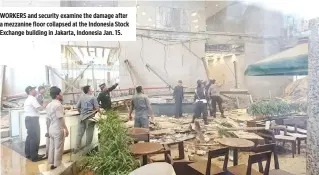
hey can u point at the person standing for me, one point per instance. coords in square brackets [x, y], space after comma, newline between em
[207, 86]
[87, 107]
[178, 95]
[141, 104]
[104, 98]
[40, 99]
[214, 93]
[40, 96]
[57, 127]
[31, 111]
[200, 102]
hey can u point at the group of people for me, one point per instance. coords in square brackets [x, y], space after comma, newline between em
[57, 130]
[206, 95]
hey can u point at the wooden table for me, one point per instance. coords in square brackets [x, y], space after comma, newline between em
[249, 136]
[139, 134]
[145, 149]
[235, 144]
[159, 168]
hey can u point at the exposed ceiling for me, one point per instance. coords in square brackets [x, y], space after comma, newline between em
[213, 7]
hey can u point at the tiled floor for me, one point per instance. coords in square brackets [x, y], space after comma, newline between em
[13, 163]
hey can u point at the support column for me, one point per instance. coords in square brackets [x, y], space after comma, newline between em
[313, 100]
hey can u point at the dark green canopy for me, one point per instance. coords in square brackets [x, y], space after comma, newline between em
[293, 61]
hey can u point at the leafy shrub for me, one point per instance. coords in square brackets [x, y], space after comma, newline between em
[276, 107]
[113, 156]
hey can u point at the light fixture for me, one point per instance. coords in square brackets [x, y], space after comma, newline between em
[216, 5]
[196, 20]
[194, 14]
[233, 58]
[143, 13]
[149, 19]
[196, 27]
[137, 6]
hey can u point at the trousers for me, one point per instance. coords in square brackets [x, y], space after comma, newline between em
[88, 127]
[33, 137]
[178, 108]
[56, 147]
[200, 109]
[217, 100]
[141, 121]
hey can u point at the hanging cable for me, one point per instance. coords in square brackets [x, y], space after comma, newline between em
[142, 50]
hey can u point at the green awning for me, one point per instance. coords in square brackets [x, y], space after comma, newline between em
[293, 61]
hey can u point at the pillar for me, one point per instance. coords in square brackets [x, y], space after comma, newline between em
[313, 100]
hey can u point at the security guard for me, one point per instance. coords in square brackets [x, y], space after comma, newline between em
[104, 98]
[57, 127]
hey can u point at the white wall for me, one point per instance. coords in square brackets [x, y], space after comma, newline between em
[26, 64]
[178, 64]
[26, 60]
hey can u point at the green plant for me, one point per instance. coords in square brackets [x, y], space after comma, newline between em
[113, 156]
[47, 91]
[275, 107]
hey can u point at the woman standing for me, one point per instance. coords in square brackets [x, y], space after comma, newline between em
[57, 128]
[200, 102]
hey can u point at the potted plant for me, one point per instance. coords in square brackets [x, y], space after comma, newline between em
[113, 156]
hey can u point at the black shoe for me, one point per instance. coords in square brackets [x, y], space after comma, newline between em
[52, 167]
[39, 158]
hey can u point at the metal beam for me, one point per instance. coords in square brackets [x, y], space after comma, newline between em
[151, 69]
[128, 67]
[47, 73]
[82, 72]
[57, 74]
[88, 51]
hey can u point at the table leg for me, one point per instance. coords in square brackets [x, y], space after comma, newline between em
[144, 160]
[235, 156]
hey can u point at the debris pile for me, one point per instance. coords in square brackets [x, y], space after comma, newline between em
[296, 92]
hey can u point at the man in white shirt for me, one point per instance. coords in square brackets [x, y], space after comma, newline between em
[31, 110]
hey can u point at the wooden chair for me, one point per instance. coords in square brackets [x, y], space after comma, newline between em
[181, 154]
[247, 169]
[277, 135]
[272, 148]
[207, 168]
[181, 166]
[294, 130]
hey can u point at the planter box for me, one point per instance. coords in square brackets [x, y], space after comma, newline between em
[169, 108]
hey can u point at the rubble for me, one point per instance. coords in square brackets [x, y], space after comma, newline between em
[296, 92]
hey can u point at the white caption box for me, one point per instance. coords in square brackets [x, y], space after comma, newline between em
[68, 23]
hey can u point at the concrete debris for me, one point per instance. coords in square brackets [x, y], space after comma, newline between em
[201, 152]
[296, 92]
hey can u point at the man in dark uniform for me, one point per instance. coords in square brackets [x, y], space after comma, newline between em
[104, 98]
[178, 97]
[200, 102]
